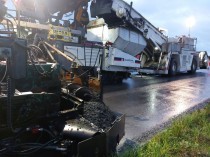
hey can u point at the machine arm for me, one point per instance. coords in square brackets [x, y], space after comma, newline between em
[119, 13]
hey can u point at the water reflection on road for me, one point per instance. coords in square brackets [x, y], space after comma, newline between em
[152, 100]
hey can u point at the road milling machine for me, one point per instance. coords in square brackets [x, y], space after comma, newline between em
[42, 113]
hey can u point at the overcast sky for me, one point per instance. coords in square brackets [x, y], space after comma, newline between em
[173, 15]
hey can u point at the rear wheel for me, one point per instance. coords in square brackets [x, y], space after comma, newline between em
[173, 67]
[193, 66]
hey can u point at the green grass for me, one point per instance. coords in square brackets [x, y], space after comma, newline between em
[188, 136]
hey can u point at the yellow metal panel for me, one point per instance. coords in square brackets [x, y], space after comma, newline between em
[60, 33]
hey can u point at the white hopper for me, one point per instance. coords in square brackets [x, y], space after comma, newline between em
[126, 40]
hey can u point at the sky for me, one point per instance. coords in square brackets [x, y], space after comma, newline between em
[173, 16]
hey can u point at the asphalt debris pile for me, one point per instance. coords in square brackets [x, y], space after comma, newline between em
[99, 114]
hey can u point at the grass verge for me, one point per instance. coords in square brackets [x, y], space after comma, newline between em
[188, 136]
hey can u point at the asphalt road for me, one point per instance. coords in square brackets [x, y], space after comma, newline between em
[152, 100]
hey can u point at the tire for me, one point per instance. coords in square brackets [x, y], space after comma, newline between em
[194, 66]
[173, 67]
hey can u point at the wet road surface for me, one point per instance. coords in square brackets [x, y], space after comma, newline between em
[152, 100]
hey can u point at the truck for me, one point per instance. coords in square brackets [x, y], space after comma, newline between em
[120, 46]
[203, 59]
[159, 54]
[176, 55]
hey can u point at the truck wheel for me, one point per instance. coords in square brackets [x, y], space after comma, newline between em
[193, 66]
[173, 67]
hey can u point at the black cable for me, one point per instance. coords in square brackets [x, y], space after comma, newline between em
[26, 144]
[9, 21]
[3, 150]
[49, 132]
[35, 149]
[33, 63]
[7, 27]
[43, 72]
[12, 18]
[34, 48]
[34, 146]
[6, 139]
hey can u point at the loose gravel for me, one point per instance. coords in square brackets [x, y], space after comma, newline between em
[99, 114]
